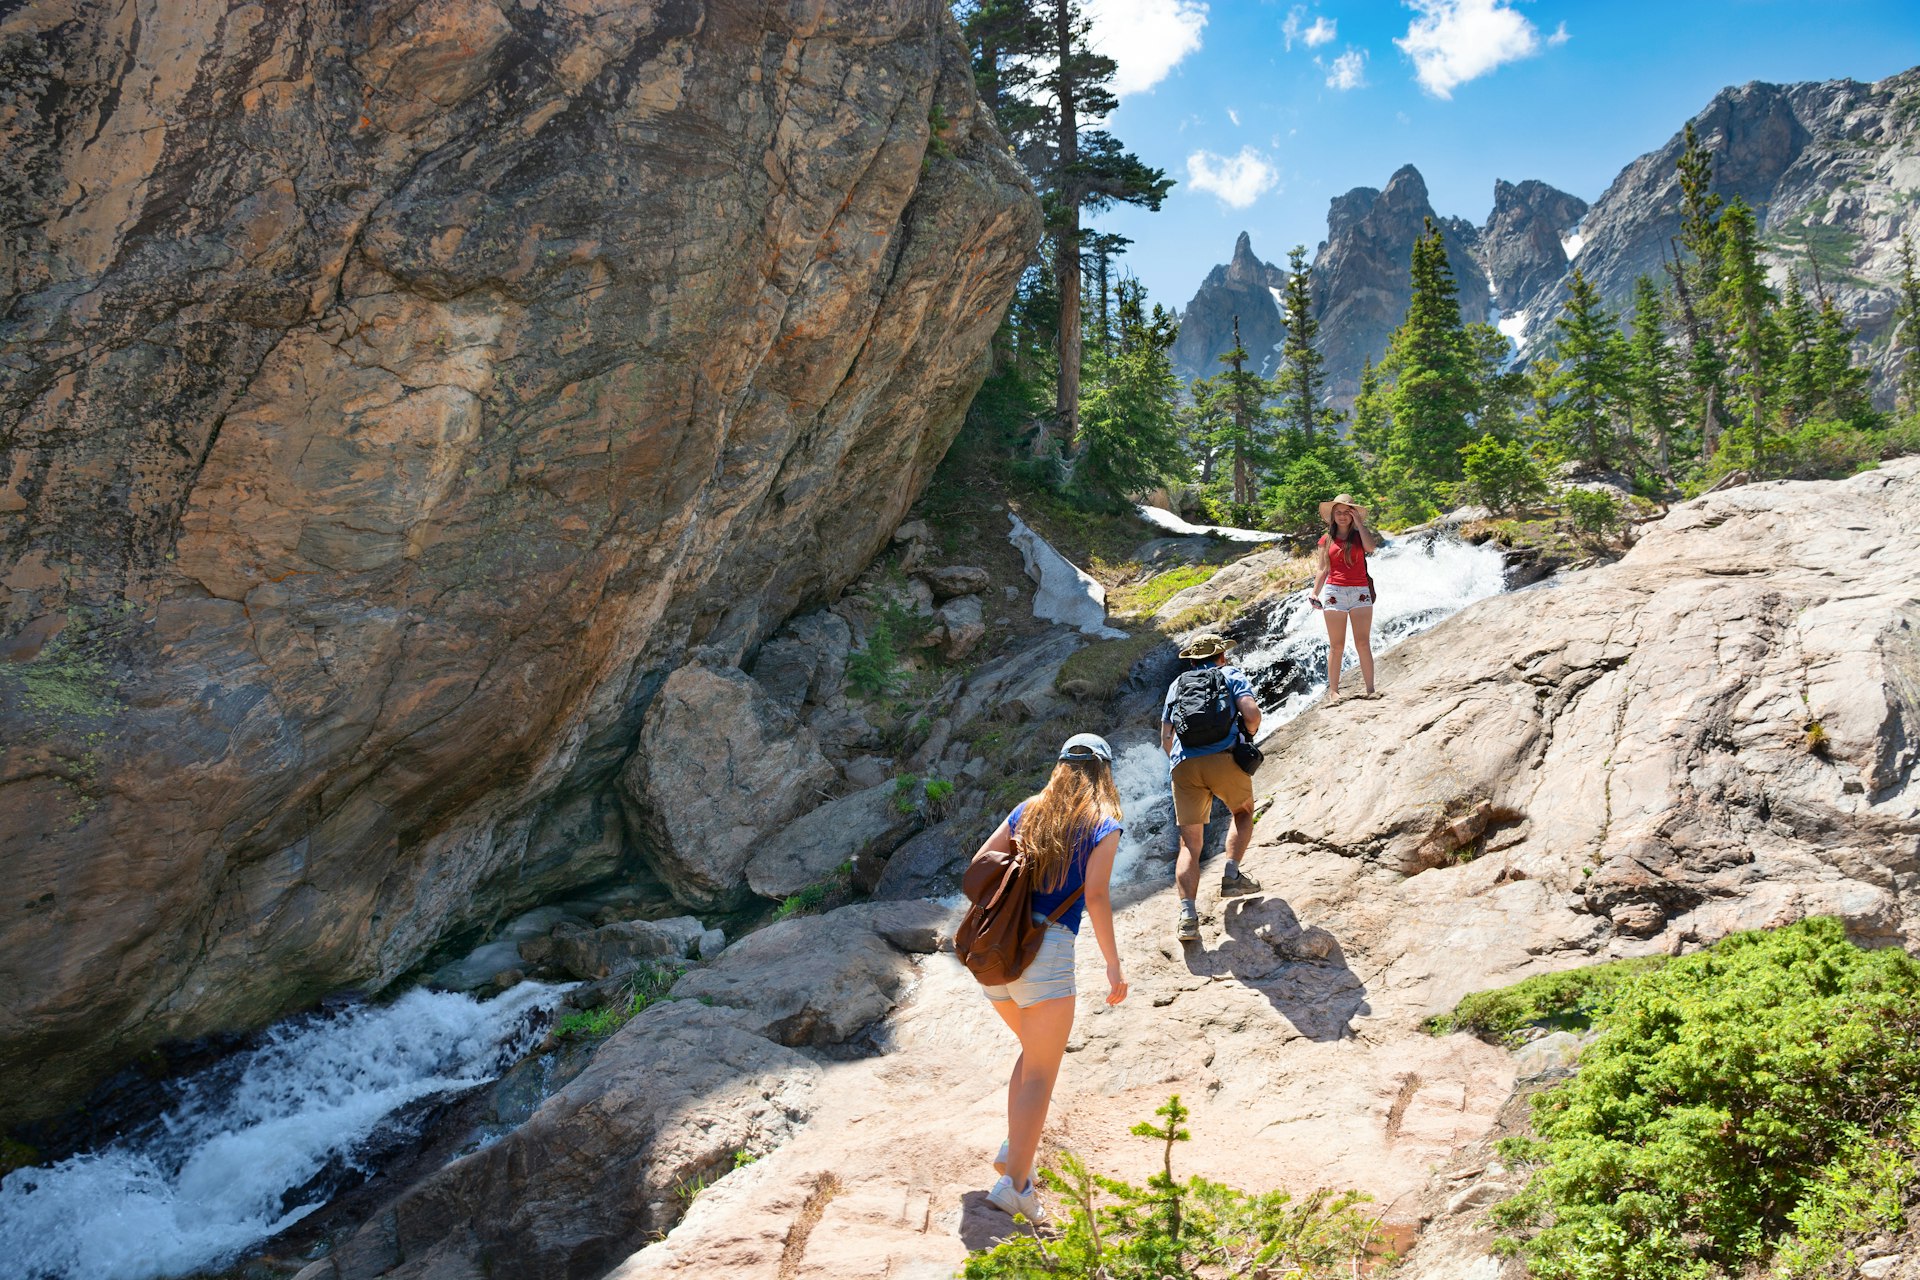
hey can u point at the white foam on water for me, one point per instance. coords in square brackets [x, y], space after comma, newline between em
[209, 1180]
[1422, 582]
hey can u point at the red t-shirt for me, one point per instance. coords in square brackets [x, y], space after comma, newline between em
[1349, 561]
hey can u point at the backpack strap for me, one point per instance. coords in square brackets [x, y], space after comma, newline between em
[1054, 917]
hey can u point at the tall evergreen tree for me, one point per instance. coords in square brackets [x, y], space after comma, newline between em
[1800, 390]
[1078, 168]
[1743, 305]
[1432, 368]
[1300, 382]
[1844, 395]
[1907, 331]
[1372, 420]
[1129, 414]
[1005, 41]
[1654, 379]
[1098, 249]
[1586, 390]
[1238, 398]
[1695, 276]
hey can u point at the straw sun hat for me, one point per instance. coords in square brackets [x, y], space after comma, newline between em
[1344, 500]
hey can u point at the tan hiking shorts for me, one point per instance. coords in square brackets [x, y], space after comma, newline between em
[1197, 781]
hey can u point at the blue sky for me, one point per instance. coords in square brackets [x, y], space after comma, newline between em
[1263, 110]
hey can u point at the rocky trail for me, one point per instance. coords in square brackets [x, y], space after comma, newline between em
[1546, 781]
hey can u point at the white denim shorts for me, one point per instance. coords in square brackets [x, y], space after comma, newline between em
[1049, 977]
[1345, 599]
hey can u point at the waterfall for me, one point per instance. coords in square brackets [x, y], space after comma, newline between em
[1422, 580]
[249, 1144]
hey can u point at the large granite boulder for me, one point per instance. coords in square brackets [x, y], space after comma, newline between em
[719, 768]
[1716, 732]
[391, 395]
[866, 824]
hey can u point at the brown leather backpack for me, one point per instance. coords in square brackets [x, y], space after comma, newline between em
[998, 937]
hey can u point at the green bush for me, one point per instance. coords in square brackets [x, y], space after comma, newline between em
[1569, 1001]
[1593, 513]
[803, 903]
[1293, 501]
[1748, 1106]
[648, 985]
[1119, 1231]
[1501, 475]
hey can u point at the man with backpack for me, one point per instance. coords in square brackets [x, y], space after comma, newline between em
[1209, 712]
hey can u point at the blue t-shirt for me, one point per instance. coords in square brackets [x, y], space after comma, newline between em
[1044, 903]
[1238, 687]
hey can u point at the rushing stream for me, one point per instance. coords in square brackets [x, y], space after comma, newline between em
[257, 1141]
[1422, 580]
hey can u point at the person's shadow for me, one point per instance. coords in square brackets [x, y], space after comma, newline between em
[1300, 969]
[984, 1224]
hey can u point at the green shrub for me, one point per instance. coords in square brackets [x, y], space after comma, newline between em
[906, 793]
[1119, 1231]
[803, 903]
[1747, 1106]
[1593, 512]
[1569, 1001]
[649, 985]
[1501, 475]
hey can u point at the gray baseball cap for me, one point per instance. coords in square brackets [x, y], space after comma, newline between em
[1081, 746]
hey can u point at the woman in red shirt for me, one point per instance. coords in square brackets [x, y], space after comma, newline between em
[1344, 588]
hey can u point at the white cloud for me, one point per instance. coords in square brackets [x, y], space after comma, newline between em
[1349, 71]
[1147, 38]
[1454, 41]
[1320, 31]
[1233, 116]
[1559, 37]
[1237, 181]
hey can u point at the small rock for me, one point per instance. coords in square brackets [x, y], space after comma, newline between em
[964, 626]
[868, 771]
[1639, 919]
[1011, 593]
[1477, 1196]
[913, 531]
[711, 944]
[1875, 1268]
[843, 729]
[1550, 1054]
[956, 580]
[974, 769]
[507, 979]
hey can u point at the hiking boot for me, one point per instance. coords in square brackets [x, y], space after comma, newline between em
[1189, 929]
[1024, 1204]
[1242, 883]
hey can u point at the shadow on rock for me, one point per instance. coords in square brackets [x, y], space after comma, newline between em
[1299, 968]
[984, 1224]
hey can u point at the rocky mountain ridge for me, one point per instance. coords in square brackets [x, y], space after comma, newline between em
[1832, 168]
[395, 398]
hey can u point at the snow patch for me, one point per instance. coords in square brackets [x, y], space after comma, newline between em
[1572, 242]
[1515, 329]
[1161, 518]
[1279, 300]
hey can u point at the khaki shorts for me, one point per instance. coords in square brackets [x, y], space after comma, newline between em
[1197, 781]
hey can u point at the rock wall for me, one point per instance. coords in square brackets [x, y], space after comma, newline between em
[1245, 287]
[392, 395]
[1523, 243]
[1362, 279]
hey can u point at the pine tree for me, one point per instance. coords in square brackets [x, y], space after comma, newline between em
[1906, 331]
[1743, 307]
[1654, 379]
[1587, 388]
[1300, 382]
[1078, 168]
[1695, 276]
[1372, 421]
[1098, 249]
[1844, 395]
[1129, 414]
[1429, 360]
[1006, 40]
[1238, 397]
[1800, 389]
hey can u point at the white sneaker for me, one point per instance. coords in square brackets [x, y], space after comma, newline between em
[1018, 1203]
[1000, 1161]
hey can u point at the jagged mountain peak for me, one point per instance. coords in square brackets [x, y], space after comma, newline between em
[1244, 287]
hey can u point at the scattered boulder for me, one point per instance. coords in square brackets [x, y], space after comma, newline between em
[913, 531]
[821, 980]
[614, 949]
[962, 625]
[718, 768]
[829, 637]
[786, 669]
[868, 771]
[948, 581]
[808, 850]
[927, 866]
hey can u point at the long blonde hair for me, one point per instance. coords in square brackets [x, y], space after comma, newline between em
[1078, 795]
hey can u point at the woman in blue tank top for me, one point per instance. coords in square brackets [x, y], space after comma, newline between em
[1070, 833]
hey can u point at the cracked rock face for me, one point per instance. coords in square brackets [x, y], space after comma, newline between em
[1718, 732]
[1245, 288]
[392, 394]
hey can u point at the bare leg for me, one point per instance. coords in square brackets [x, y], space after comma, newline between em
[1336, 649]
[1043, 1030]
[1242, 836]
[1186, 872]
[1363, 643]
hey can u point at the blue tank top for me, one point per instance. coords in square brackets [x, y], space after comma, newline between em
[1044, 903]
